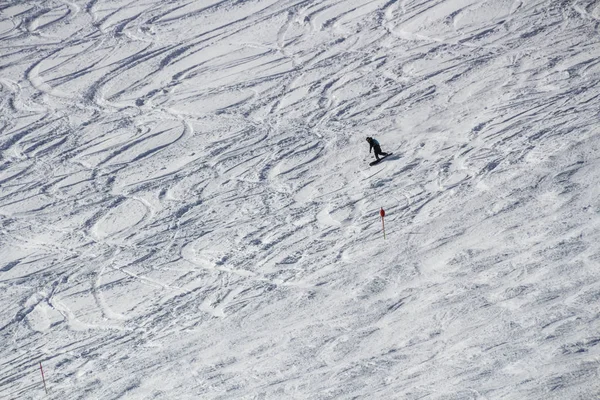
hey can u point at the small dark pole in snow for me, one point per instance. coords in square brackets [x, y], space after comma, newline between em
[43, 379]
[382, 213]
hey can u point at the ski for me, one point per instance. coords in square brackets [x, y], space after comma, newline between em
[381, 159]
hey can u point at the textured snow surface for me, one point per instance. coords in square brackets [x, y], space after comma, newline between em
[187, 210]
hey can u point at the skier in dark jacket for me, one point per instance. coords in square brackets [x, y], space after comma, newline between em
[374, 144]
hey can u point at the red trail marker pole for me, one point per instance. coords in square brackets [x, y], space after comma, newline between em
[43, 379]
[382, 214]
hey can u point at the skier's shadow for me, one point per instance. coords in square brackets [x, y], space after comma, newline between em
[393, 157]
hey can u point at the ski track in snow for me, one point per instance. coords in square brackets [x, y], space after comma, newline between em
[187, 211]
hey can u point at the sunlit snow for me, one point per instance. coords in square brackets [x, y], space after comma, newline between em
[187, 209]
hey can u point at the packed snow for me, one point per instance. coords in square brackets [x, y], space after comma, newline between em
[187, 209]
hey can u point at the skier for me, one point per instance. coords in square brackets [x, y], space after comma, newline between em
[374, 144]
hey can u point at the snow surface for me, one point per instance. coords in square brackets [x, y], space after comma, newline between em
[187, 211]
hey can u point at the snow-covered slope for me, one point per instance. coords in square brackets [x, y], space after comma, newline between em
[187, 210]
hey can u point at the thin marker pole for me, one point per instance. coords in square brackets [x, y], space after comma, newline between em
[43, 379]
[382, 213]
